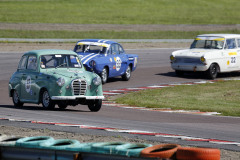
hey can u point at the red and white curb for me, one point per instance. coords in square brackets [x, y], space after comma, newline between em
[128, 131]
[115, 92]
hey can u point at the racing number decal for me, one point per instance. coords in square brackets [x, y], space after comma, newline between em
[118, 63]
[28, 84]
[233, 60]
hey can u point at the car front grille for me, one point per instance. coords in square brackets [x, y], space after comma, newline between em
[79, 87]
[188, 60]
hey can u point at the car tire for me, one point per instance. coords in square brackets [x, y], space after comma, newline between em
[95, 105]
[198, 153]
[63, 104]
[179, 73]
[16, 100]
[47, 103]
[212, 71]
[127, 74]
[167, 151]
[104, 75]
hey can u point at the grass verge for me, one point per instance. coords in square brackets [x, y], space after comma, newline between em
[107, 34]
[120, 11]
[222, 97]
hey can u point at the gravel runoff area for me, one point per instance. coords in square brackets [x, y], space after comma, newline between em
[17, 131]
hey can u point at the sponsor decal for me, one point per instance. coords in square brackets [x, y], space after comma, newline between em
[118, 63]
[28, 84]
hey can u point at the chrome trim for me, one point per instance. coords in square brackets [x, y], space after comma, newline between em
[79, 87]
[75, 97]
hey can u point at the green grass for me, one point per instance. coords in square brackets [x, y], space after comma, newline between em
[222, 97]
[106, 34]
[120, 11]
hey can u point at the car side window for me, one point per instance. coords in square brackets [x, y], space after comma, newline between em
[22, 63]
[115, 49]
[238, 41]
[121, 49]
[32, 63]
[230, 44]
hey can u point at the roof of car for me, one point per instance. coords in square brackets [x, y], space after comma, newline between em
[220, 35]
[49, 52]
[98, 40]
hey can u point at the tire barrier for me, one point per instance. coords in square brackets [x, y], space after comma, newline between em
[2, 136]
[59, 144]
[188, 153]
[9, 140]
[106, 147]
[40, 147]
[33, 142]
[81, 147]
[161, 151]
[131, 149]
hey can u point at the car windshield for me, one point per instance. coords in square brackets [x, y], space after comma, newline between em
[207, 44]
[90, 49]
[60, 61]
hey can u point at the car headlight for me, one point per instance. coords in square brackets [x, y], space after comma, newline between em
[172, 58]
[60, 81]
[92, 63]
[202, 59]
[97, 81]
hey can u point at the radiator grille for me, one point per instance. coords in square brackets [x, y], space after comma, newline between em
[79, 87]
[188, 60]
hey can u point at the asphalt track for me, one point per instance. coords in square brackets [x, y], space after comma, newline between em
[153, 69]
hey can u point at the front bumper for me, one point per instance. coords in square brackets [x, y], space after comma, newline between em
[189, 67]
[75, 97]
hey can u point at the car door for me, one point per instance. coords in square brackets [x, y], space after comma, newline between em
[115, 61]
[28, 82]
[231, 55]
[124, 59]
[118, 60]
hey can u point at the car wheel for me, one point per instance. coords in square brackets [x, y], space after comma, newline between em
[212, 71]
[63, 104]
[179, 73]
[16, 100]
[47, 103]
[104, 75]
[127, 74]
[95, 105]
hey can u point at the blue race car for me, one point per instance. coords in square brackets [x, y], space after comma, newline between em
[106, 58]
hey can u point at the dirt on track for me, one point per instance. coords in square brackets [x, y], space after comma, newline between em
[18, 131]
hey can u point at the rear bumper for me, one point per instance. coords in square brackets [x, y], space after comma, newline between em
[75, 97]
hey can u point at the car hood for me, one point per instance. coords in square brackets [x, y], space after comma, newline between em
[87, 57]
[194, 52]
[70, 73]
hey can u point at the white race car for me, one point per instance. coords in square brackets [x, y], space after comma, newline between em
[211, 53]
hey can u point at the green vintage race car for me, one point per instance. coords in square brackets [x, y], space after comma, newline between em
[55, 77]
